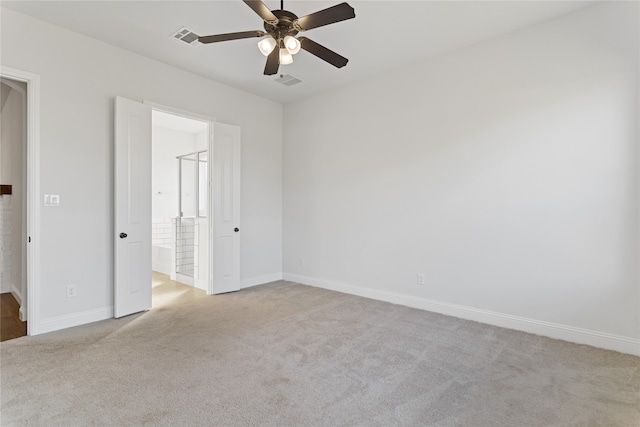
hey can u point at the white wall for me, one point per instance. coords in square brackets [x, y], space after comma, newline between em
[202, 140]
[79, 79]
[507, 172]
[11, 173]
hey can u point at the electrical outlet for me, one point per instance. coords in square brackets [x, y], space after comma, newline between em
[421, 279]
[71, 291]
[302, 262]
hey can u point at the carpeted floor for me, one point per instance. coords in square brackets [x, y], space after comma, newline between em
[291, 355]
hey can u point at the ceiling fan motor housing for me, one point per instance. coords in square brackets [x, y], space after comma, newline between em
[284, 27]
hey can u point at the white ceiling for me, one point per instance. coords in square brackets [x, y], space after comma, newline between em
[384, 35]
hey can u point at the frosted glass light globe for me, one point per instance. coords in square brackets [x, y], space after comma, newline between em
[292, 44]
[267, 45]
[285, 57]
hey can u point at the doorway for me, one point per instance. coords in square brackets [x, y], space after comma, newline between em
[179, 218]
[31, 189]
[133, 205]
[13, 211]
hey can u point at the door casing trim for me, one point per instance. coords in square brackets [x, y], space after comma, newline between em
[32, 193]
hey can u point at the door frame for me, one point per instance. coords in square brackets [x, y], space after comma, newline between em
[32, 187]
[195, 116]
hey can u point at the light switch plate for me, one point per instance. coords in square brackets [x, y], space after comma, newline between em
[52, 200]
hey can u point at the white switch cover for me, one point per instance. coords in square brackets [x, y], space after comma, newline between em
[52, 200]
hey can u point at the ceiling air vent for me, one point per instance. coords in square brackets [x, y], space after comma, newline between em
[186, 35]
[288, 80]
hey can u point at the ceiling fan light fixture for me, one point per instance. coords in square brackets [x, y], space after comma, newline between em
[285, 57]
[267, 45]
[280, 30]
[292, 44]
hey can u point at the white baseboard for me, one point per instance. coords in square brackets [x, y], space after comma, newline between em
[90, 316]
[17, 294]
[75, 319]
[183, 278]
[260, 280]
[573, 334]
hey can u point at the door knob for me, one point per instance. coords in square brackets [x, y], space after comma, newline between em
[236, 229]
[123, 235]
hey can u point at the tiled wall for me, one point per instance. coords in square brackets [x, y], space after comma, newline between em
[161, 232]
[6, 262]
[185, 239]
[196, 254]
[184, 243]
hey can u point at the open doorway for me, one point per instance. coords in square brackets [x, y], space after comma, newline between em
[133, 206]
[180, 220]
[13, 208]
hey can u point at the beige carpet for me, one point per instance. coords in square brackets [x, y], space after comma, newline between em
[291, 355]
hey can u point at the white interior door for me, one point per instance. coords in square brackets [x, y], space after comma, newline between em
[132, 228]
[225, 209]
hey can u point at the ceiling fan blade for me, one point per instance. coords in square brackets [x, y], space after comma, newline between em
[322, 52]
[262, 10]
[273, 62]
[230, 36]
[331, 15]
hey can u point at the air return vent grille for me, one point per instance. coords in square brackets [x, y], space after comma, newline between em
[288, 80]
[186, 35]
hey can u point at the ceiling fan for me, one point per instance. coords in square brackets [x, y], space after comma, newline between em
[281, 27]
